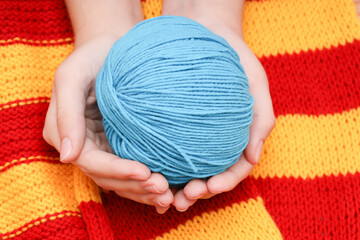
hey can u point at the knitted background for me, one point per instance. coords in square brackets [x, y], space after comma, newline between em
[306, 185]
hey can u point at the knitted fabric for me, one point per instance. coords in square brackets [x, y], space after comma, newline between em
[306, 185]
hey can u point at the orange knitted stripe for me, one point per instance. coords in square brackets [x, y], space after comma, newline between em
[255, 222]
[277, 27]
[33, 191]
[27, 71]
[334, 147]
[37, 222]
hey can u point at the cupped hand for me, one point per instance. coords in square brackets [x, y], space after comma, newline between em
[74, 127]
[262, 124]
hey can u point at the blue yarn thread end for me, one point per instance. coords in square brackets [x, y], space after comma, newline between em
[175, 97]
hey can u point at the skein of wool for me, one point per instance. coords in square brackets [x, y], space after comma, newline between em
[175, 97]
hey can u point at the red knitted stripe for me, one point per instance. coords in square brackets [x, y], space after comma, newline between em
[315, 82]
[97, 222]
[21, 133]
[323, 208]
[132, 220]
[67, 227]
[34, 20]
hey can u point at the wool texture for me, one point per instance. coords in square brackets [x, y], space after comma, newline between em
[175, 97]
[306, 185]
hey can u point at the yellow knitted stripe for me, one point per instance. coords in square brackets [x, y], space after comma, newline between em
[274, 27]
[309, 146]
[85, 189]
[38, 222]
[28, 71]
[247, 220]
[31, 191]
[151, 8]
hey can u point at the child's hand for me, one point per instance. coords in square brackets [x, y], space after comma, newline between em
[263, 122]
[74, 124]
[224, 19]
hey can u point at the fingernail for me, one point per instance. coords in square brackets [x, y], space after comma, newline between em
[138, 177]
[162, 211]
[181, 210]
[152, 189]
[159, 203]
[65, 149]
[194, 197]
[258, 150]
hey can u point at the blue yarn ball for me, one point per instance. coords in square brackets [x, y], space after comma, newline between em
[174, 96]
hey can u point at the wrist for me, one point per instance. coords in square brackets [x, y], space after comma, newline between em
[213, 14]
[85, 35]
[112, 18]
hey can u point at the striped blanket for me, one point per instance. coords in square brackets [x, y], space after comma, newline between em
[306, 185]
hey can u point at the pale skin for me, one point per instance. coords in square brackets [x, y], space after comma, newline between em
[357, 6]
[73, 122]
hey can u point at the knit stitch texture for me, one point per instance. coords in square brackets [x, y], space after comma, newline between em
[306, 185]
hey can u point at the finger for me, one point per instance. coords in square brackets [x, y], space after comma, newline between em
[147, 199]
[106, 165]
[161, 200]
[162, 210]
[263, 118]
[157, 183]
[164, 200]
[111, 184]
[50, 131]
[228, 180]
[71, 99]
[208, 195]
[259, 130]
[181, 202]
[196, 189]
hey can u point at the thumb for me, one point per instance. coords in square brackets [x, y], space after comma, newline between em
[259, 131]
[263, 117]
[70, 104]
